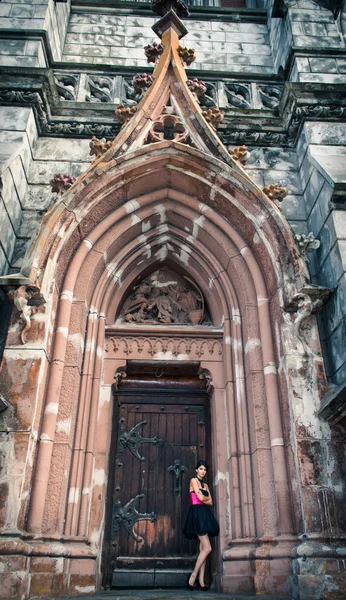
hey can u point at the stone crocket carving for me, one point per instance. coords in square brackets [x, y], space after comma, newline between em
[98, 147]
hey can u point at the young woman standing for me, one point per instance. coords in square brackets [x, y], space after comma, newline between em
[200, 523]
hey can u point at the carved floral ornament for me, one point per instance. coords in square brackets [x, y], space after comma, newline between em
[123, 113]
[165, 298]
[98, 147]
[240, 154]
[168, 127]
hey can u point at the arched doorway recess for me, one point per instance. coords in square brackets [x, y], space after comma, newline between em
[114, 226]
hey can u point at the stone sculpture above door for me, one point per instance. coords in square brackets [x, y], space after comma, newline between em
[165, 298]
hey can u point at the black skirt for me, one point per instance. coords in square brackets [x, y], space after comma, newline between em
[200, 521]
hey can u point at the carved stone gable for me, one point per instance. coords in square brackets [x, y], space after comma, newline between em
[164, 297]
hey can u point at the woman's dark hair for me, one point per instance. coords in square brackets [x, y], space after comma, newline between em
[202, 463]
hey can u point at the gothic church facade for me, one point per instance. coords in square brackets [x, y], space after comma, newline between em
[172, 287]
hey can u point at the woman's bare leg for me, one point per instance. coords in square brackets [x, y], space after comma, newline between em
[204, 550]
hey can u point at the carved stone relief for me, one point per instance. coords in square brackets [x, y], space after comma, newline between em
[165, 298]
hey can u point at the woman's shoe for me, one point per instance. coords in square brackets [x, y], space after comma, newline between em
[204, 588]
[188, 585]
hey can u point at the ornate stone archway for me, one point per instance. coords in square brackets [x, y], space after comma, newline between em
[137, 208]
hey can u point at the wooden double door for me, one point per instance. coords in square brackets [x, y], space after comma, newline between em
[157, 439]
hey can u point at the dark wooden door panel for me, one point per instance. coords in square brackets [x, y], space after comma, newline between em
[157, 441]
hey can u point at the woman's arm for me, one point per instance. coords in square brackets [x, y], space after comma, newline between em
[196, 488]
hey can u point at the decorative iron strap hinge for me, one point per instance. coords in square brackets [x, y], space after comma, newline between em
[132, 439]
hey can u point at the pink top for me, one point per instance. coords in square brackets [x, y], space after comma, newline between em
[194, 499]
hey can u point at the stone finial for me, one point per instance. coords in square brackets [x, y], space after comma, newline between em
[162, 7]
[306, 243]
[187, 55]
[240, 154]
[60, 183]
[98, 147]
[141, 82]
[197, 87]
[123, 114]
[213, 116]
[275, 192]
[153, 52]
[20, 298]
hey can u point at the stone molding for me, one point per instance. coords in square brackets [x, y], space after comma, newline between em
[126, 346]
[281, 127]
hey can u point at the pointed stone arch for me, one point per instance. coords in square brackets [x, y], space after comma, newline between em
[119, 220]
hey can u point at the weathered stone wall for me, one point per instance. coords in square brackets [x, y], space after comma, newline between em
[322, 160]
[18, 135]
[110, 39]
[44, 17]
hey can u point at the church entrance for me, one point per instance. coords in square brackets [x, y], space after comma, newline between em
[160, 429]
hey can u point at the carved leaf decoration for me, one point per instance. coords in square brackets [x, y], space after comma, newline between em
[100, 89]
[270, 96]
[66, 86]
[238, 95]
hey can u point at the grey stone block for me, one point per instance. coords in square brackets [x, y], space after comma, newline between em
[339, 221]
[323, 65]
[323, 16]
[110, 40]
[19, 61]
[134, 41]
[5, 10]
[286, 179]
[12, 47]
[293, 207]
[315, 29]
[341, 63]
[219, 47]
[19, 178]
[215, 36]
[315, 219]
[330, 134]
[32, 48]
[18, 253]
[145, 21]
[4, 264]
[255, 49]
[322, 78]
[44, 171]
[123, 52]
[30, 223]
[58, 149]
[303, 64]
[24, 11]
[313, 187]
[331, 269]
[8, 237]
[337, 346]
[315, 42]
[95, 50]
[17, 116]
[21, 24]
[38, 197]
[11, 200]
